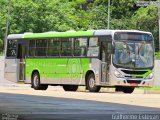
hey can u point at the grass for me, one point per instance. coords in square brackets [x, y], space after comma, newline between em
[157, 55]
[1, 53]
[145, 88]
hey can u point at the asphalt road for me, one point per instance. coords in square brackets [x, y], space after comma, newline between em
[31, 107]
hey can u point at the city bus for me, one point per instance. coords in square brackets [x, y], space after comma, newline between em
[123, 59]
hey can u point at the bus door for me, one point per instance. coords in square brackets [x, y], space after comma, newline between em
[106, 60]
[21, 56]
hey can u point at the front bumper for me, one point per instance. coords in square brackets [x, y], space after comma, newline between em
[132, 82]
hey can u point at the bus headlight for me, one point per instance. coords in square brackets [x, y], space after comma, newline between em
[118, 74]
[150, 76]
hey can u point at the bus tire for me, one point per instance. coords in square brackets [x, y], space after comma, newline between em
[128, 89]
[90, 84]
[44, 87]
[70, 87]
[36, 82]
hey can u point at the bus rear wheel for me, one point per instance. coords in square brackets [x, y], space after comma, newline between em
[36, 82]
[91, 84]
[70, 87]
[128, 89]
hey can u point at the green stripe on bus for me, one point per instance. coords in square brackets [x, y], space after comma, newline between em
[143, 75]
[58, 67]
[58, 34]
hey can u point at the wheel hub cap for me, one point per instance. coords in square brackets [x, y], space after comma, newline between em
[36, 81]
[92, 82]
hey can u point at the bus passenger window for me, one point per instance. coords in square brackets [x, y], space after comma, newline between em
[41, 47]
[93, 49]
[66, 49]
[54, 46]
[80, 45]
[32, 48]
[12, 48]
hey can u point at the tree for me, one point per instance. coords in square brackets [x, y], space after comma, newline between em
[62, 15]
[1, 45]
[121, 11]
[3, 17]
[147, 19]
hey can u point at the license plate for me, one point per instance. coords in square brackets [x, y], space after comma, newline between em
[134, 84]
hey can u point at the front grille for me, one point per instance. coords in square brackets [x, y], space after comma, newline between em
[139, 77]
[128, 76]
[134, 72]
[134, 76]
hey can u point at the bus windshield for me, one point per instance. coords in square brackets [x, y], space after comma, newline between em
[133, 54]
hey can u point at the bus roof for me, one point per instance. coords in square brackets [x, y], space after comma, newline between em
[51, 34]
[111, 32]
[69, 34]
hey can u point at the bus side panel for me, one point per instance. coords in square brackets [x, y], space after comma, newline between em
[85, 67]
[61, 70]
[35, 64]
[77, 68]
[51, 70]
[10, 70]
[58, 70]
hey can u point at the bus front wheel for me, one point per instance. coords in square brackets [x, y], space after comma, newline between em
[36, 82]
[128, 89]
[70, 87]
[91, 83]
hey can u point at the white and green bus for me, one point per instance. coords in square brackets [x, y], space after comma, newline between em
[123, 59]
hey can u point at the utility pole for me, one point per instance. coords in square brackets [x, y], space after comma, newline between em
[109, 2]
[157, 4]
[7, 22]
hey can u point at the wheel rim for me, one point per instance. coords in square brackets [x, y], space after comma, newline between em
[35, 80]
[91, 82]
